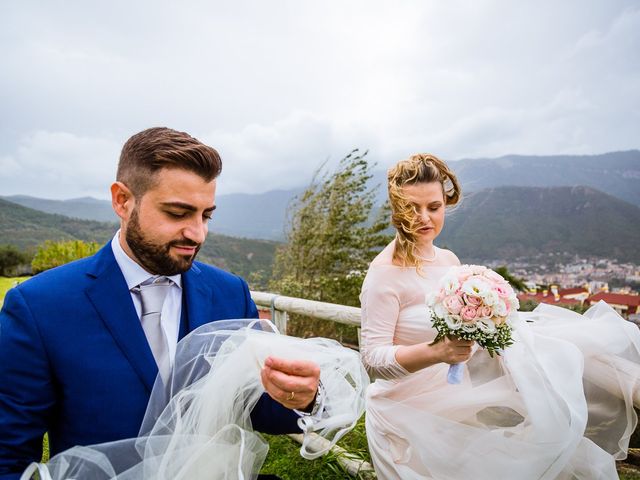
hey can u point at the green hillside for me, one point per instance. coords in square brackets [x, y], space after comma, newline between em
[25, 227]
[86, 208]
[264, 215]
[509, 222]
[501, 223]
[249, 258]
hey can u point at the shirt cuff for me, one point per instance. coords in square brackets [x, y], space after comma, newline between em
[318, 405]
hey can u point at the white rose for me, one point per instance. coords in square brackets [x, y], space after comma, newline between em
[514, 303]
[500, 309]
[470, 327]
[431, 299]
[487, 325]
[453, 321]
[490, 298]
[476, 286]
[440, 311]
[451, 284]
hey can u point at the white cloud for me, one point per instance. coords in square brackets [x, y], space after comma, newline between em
[279, 87]
[60, 165]
[283, 155]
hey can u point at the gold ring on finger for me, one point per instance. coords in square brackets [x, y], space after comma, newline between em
[291, 396]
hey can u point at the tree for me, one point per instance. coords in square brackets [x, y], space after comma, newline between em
[10, 258]
[53, 254]
[331, 238]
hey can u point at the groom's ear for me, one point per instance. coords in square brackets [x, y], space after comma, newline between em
[122, 200]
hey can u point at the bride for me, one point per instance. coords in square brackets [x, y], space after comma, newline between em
[198, 426]
[558, 404]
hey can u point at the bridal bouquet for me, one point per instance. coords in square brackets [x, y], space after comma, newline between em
[473, 303]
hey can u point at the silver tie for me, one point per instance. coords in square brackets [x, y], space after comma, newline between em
[152, 296]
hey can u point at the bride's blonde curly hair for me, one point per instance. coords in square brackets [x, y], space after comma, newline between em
[418, 168]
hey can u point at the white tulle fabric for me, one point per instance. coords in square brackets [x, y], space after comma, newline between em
[557, 405]
[198, 427]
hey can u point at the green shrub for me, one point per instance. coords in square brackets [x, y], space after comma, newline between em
[53, 254]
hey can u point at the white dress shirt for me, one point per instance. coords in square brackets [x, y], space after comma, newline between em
[134, 275]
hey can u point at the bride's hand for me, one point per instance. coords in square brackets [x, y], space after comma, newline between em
[292, 383]
[454, 350]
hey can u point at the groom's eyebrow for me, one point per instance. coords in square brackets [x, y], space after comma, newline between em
[186, 206]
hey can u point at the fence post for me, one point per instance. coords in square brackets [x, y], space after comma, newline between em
[280, 318]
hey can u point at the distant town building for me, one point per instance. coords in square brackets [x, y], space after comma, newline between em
[579, 293]
[554, 295]
[624, 304]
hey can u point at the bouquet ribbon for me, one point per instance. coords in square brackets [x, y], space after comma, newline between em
[455, 373]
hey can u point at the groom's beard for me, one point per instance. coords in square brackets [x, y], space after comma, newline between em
[154, 257]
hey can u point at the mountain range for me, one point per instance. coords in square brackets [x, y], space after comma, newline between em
[26, 228]
[264, 215]
[616, 173]
[502, 223]
[505, 223]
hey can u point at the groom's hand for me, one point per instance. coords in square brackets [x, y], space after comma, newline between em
[292, 383]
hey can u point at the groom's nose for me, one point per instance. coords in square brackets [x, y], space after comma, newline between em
[196, 230]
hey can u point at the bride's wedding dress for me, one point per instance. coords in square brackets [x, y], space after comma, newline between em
[558, 404]
[198, 426]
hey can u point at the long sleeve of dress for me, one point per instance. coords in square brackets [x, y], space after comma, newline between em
[380, 303]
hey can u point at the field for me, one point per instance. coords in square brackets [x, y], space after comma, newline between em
[8, 283]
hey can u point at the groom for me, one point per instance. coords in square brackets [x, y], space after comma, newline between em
[81, 345]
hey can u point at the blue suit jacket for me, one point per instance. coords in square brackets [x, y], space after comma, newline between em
[74, 360]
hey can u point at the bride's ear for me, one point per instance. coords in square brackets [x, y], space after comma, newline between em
[122, 200]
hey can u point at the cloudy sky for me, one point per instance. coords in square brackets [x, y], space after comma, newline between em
[279, 86]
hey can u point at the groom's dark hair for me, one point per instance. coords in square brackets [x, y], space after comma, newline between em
[151, 150]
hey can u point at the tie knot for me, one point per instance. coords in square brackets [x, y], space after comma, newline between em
[153, 294]
[160, 280]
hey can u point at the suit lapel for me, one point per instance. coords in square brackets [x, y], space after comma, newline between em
[111, 298]
[198, 300]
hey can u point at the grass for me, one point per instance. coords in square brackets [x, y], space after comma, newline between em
[45, 448]
[8, 283]
[284, 458]
[628, 473]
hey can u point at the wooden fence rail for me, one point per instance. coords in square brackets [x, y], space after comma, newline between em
[281, 306]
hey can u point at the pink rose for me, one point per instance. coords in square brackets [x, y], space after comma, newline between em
[496, 277]
[485, 311]
[468, 313]
[464, 272]
[502, 290]
[453, 303]
[472, 300]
